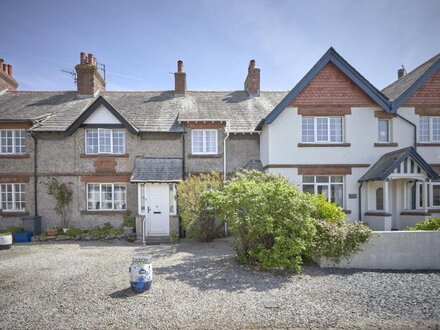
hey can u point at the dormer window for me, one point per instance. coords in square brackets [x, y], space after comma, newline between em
[204, 141]
[12, 141]
[105, 141]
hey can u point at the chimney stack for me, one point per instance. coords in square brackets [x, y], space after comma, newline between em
[401, 72]
[252, 82]
[88, 79]
[179, 80]
[7, 82]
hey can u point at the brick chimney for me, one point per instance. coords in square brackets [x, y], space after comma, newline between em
[179, 79]
[252, 82]
[7, 82]
[89, 80]
[401, 72]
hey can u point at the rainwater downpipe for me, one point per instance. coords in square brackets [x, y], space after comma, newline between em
[360, 201]
[225, 169]
[35, 173]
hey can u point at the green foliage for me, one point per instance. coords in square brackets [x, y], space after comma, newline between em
[322, 209]
[74, 231]
[269, 218]
[5, 233]
[106, 230]
[338, 240]
[129, 220]
[197, 220]
[14, 230]
[430, 224]
[63, 196]
[174, 238]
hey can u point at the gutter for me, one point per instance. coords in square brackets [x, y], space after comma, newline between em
[35, 172]
[415, 129]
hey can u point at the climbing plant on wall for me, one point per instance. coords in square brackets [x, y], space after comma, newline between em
[63, 197]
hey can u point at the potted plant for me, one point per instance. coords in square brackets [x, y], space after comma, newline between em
[52, 232]
[129, 223]
[5, 240]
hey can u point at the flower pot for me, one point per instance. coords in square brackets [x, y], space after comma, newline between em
[52, 232]
[5, 241]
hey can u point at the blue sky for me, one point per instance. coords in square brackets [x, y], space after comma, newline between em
[140, 41]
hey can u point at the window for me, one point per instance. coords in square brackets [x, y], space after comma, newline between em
[379, 199]
[106, 196]
[322, 129]
[332, 187]
[12, 141]
[384, 130]
[108, 141]
[429, 129]
[435, 194]
[204, 141]
[172, 199]
[13, 197]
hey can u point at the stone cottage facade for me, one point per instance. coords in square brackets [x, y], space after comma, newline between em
[376, 153]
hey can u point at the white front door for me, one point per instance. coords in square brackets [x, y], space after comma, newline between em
[157, 209]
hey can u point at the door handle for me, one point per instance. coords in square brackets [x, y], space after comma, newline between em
[157, 212]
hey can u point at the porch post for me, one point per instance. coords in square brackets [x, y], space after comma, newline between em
[425, 196]
[385, 196]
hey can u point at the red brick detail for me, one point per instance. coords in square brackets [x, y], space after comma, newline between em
[202, 125]
[332, 87]
[117, 177]
[6, 79]
[428, 93]
[383, 115]
[105, 165]
[20, 178]
[330, 110]
[11, 125]
[324, 170]
[433, 110]
[436, 167]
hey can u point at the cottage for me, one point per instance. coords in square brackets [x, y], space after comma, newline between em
[375, 153]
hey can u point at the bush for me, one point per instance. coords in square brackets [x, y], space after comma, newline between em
[197, 219]
[74, 231]
[268, 217]
[322, 209]
[430, 224]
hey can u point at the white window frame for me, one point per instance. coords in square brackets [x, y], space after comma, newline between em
[112, 130]
[431, 194]
[204, 152]
[388, 130]
[430, 129]
[100, 184]
[328, 184]
[142, 198]
[173, 198]
[14, 200]
[14, 133]
[315, 130]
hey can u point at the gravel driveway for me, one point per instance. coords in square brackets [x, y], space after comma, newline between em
[86, 285]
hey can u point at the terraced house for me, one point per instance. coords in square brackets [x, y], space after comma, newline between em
[375, 153]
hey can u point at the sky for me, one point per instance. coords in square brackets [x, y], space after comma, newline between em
[141, 41]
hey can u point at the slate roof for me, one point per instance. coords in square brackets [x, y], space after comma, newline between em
[147, 111]
[147, 169]
[391, 160]
[397, 88]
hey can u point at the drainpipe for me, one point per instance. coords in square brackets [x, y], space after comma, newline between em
[413, 125]
[35, 172]
[183, 155]
[360, 201]
[224, 154]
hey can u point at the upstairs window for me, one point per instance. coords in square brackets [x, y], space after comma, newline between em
[384, 130]
[332, 187]
[204, 141]
[429, 129]
[105, 141]
[322, 130]
[12, 141]
[13, 197]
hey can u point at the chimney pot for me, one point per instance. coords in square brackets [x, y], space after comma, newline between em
[83, 58]
[400, 73]
[251, 65]
[252, 82]
[7, 82]
[1, 64]
[5, 68]
[90, 59]
[179, 66]
[10, 70]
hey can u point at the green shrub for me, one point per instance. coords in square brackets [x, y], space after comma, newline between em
[322, 209]
[197, 219]
[268, 217]
[14, 230]
[106, 230]
[74, 231]
[430, 224]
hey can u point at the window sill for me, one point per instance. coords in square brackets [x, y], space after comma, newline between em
[415, 213]
[428, 144]
[14, 213]
[14, 156]
[103, 155]
[104, 212]
[315, 145]
[205, 155]
[347, 211]
[434, 210]
[385, 144]
[378, 214]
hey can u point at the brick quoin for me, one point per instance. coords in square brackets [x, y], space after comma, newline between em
[332, 87]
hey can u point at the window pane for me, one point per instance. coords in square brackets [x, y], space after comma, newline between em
[308, 130]
[197, 141]
[308, 179]
[384, 131]
[93, 197]
[211, 141]
[321, 179]
[308, 188]
[337, 195]
[7, 141]
[105, 141]
[118, 141]
[335, 129]
[424, 129]
[92, 141]
[436, 195]
[379, 199]
[20, 141]
[337, 179]
[106, 197]
[435, 128]
[19, 197]
[120, 197]
[323, 190]
[172, 199]
[143, 201]
[322, 129]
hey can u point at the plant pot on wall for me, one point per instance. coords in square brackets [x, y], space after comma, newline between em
[5, 241]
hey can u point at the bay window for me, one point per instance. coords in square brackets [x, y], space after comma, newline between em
[106, 196]
[204, 141]
[13, 197]
[322, 129]
[12, 141]
[429, 129]
[331, 187]
[106, 141]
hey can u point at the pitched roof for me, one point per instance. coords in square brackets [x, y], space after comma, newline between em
[330, 56]
[146, 111]
[391, 160]
[400, 90]
[147, 169]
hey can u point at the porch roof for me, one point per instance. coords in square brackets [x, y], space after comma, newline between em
[148, 169]
[391, 162]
